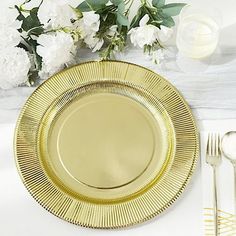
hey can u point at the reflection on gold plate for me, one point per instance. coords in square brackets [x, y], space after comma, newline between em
[106, 144]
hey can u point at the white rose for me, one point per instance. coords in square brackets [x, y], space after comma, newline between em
[9, 36]
[56, 13]
[165, 34]
[14, 67]
[56, 50]
[144, 34]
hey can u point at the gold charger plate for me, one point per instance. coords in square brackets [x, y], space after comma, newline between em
[106, 144]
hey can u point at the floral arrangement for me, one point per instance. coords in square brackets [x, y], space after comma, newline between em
[38, 41]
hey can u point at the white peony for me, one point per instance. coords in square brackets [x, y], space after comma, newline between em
[89, 26]
[56, 13]
[145, 34]
[9, 36]
[56, 50]
[14, 67]
[112, 31]
[93, 42]
[91, 21]
[8, 17]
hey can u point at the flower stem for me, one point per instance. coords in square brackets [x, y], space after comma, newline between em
[128, 10]
[144, 2]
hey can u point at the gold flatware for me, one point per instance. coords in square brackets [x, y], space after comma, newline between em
[229, 151]
[213, 158]
[106, 144]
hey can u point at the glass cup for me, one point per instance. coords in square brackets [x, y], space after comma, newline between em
[198, 32]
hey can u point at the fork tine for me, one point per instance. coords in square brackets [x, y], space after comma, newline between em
[211, 145]
[215, 143]
[208, 145]
[219, 144]
[216, 146]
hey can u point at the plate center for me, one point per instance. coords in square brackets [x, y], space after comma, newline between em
[104, 140]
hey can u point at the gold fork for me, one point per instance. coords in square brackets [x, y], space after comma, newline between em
[213, 158]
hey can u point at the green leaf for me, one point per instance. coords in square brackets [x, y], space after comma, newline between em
[91, 5]
[77, 11]
[20, 17]
[26, 1]
[33, 76]
[121, 8]
[83, 7]
[117, 2]
[168, 22]
[33, 45]
[100, 2]
[32, 21]
[158, 3]
[122, 20]
[157, 22]
[36, 31]
[173, 9]
[137, 18]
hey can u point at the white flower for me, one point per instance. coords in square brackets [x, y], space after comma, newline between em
[56, 13]
[93, 42]
[158, 56]
[91, 21]
[112, 31]
[145, 34]
[9, 36]
[56, 50]
[164, 34]
[14, 67]
[89, 26]
[8, 18]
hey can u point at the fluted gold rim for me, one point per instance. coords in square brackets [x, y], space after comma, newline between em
[136, 210]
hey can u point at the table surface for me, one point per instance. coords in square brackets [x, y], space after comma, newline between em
[209, 88]
[211, 95]
[20, 214]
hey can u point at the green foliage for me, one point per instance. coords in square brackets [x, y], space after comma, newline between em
[168, 22]
[117, 2]
[122, 20]
[158, 3]
[135, 21]
[77, 11]
[113, 12]
[91, 5]
[31, 23]
[173, 9]
[159, 13]
[32, 26]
